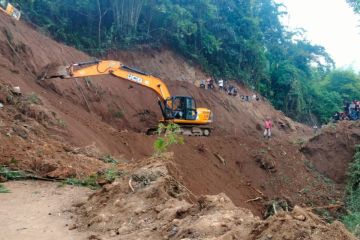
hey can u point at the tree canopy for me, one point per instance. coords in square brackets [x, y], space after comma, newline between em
[242, 40]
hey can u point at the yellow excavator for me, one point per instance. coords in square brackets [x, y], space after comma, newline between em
[176, 109]
[8, 8]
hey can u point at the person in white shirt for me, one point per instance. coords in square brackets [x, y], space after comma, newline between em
[221, 84]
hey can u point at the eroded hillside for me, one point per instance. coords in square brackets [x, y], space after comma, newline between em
[61, 128]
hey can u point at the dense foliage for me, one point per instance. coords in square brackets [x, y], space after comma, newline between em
[355, 4]
[352, 220]
[231, 39]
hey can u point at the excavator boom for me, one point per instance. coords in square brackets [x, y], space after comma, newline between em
[115, 68]
[178, 109]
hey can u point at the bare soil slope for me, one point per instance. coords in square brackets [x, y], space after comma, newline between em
[110, 115]
[333, 149]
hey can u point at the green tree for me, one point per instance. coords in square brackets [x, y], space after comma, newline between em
[232, 39]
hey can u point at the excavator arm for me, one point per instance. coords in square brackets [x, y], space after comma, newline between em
[115, 68]
[178, 109]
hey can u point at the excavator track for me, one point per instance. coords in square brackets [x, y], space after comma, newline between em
[187, 130]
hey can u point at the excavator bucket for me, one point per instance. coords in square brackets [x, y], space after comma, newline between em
[54, 71]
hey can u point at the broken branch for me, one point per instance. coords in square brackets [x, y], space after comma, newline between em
[131, 187]
[222, 160]
[331, 206]
[253, 199]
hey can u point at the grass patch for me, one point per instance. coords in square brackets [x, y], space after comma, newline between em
[11, 174]
[3, 189]
[90, 182]
[111, 174]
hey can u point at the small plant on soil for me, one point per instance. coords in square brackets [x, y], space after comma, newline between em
[3, 189]
[61, 123]
[93, 181]
[108, 159]
[118, 114]
[90, 182]
[167, 136]
[34, 98]
[111, 174]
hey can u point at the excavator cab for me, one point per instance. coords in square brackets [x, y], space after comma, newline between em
[10, 9]
[180, 107]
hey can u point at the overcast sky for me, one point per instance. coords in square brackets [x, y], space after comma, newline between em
[330, 23]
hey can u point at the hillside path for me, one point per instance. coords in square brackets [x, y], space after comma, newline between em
[37, 210]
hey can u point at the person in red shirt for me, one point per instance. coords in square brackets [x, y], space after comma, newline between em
[268, 126]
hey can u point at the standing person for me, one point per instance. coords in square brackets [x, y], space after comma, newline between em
[315, 127]
[221, 84]
[346, 107]
[210, 83]
[268, 126]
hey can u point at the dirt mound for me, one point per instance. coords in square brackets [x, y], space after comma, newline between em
[150, 204]
[32, 140]
[331, 151]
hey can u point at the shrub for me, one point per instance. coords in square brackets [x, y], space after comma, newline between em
[352, 220]
[34, 98]
[171, 136]
[118, 114]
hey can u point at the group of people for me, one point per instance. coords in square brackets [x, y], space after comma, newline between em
[209, 83]
[351, 112]
[231, 90]
[249, 98]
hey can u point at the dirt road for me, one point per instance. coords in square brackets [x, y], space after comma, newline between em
[37, 210]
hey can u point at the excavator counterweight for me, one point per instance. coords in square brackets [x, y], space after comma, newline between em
[176, 109]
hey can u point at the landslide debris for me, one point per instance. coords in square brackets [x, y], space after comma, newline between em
[148, 203]
[331, 151]
[32, 140]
